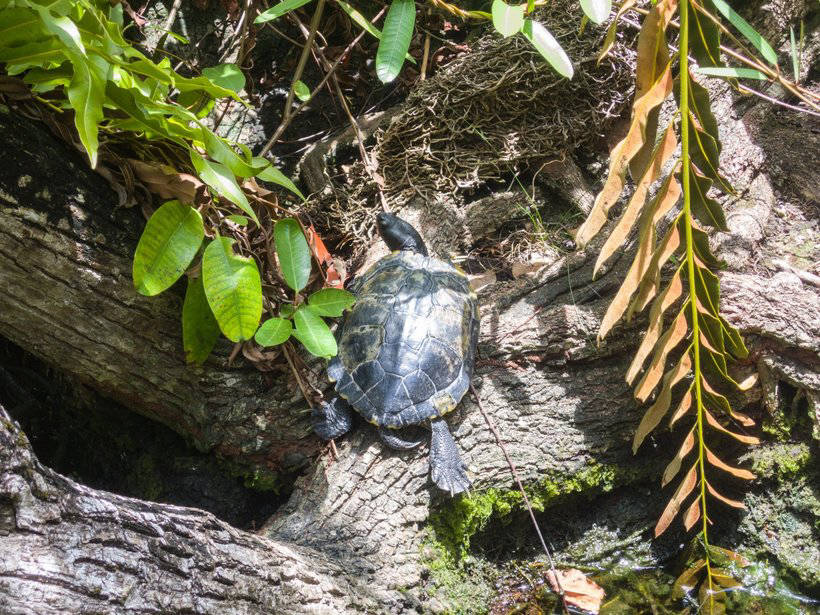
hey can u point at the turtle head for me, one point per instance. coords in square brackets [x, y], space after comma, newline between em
[399, 235]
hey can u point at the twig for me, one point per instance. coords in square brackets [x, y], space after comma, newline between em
[286, 121]
[426, 56]
[514, 473]
[169, 23]
[286, 352]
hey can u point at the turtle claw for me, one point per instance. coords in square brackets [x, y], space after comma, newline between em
[392, 439]
[447, 470]
[331, 420]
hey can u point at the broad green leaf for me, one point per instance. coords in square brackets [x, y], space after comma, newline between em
[167, 246]
[274, 331]
[275, 176]
[707, 210]
[86, 92]
[237, 219]
[314, 333]
[220, 178]
[293, 251]
[20, 26]
[331, 301]
[597, 10]
[233, 288]
[548, 47]
[731, 72]
[507, 19]
[743, 26]
[220, 151]
[226, 75]
[65, 29]
[287, 310]
[280, 9]
[49, 53]
[199, 327]
[301, 90]
[396, 35]
[365, 24]
[704, 39]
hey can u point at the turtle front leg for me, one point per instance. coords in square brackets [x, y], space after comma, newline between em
[446, 467]
[331, 420]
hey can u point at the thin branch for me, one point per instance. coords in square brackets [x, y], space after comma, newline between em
[286, 121]
[517, 479]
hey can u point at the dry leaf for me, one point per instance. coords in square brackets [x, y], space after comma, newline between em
[165, 182]
[674, 465]
[622, 153]
[662, 153]
[723, 498]
[740, 437]
[659, 409]
[692, 514]
[653, 331]
[482, 280]
[683, 490]
[578, 589]
[677, 331]
[683, 407]
[650, 282]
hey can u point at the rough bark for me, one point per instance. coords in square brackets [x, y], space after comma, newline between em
[65, 548]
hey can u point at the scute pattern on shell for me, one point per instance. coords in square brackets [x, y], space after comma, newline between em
[406, 350]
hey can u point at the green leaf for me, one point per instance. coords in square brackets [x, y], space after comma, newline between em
[167, 246]
[287, 310]
[314, 333]
[294, 254]
[795, 54]
[65, 29]
[226, 75]
[86, 92]
[220, 178]
[233, 288]
[220, 151]
[396, 35]
[301, 90]
[597, 10]
[331, 301]
[274, 331]
[707, 210]
[365, 24]
[548, 47]
[507, 19]
[275, 176]
[731, 72]
[237, 219]
[280, 9]
[753, 36]
[704, 38]
[199, 327]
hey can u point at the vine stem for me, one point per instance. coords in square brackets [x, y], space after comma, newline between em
[690, 264]
[517, 479]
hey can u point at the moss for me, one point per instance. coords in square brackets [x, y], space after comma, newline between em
[446, 551]
[781, 460]
[455, 525]
[262, 480]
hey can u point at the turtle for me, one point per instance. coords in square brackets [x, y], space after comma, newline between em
[405, 352]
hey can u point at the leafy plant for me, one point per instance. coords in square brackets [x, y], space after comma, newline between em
[673, 270]
[227, 296]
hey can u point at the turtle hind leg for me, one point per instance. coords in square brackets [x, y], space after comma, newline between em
[446, 467]
[331, 420]
[393, 439]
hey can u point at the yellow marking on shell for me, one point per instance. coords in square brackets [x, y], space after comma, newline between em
[444, 404]
[460, 271]
[374, 422]
[473, 295]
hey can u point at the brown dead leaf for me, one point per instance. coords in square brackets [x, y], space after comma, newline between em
[482, 280]
[740, 437]
[658, 410]
[669, 296]
[718, 463]
[651, 280]
[683, 407]
[692, 514]
[165, 182]
[673, 336]
[662, 153]
[621, 154]
[674, 465]
[723, 498]
[578, 589]
[683, 490]
[612, 30]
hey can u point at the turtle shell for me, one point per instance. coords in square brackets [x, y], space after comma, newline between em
[406, 349]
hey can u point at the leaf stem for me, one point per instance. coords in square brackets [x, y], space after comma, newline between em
[690, 263]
